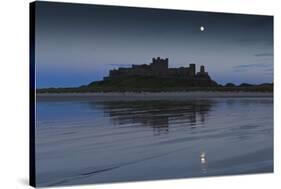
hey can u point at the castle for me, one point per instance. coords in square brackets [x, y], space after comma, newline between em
[160, 68]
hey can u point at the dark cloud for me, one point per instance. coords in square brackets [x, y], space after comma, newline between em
[248, 67]
[263, 54]
[269, 70]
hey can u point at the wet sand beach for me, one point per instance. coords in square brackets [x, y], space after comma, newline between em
[100, 138]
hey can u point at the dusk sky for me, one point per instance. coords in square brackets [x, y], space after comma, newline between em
[77, 44]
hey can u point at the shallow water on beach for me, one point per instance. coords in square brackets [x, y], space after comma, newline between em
[82, 141]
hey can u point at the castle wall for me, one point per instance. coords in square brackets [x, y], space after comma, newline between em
[159, 68]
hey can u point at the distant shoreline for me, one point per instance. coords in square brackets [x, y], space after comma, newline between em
[151, 95]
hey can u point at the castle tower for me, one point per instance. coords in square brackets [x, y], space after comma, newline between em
[159, 65]
[202, 69]
[192, 69]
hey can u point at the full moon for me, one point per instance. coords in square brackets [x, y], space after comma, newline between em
[202, 28]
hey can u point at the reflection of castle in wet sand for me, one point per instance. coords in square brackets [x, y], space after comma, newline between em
[158, 115]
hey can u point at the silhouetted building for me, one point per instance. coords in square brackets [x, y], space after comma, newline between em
[160, 68]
